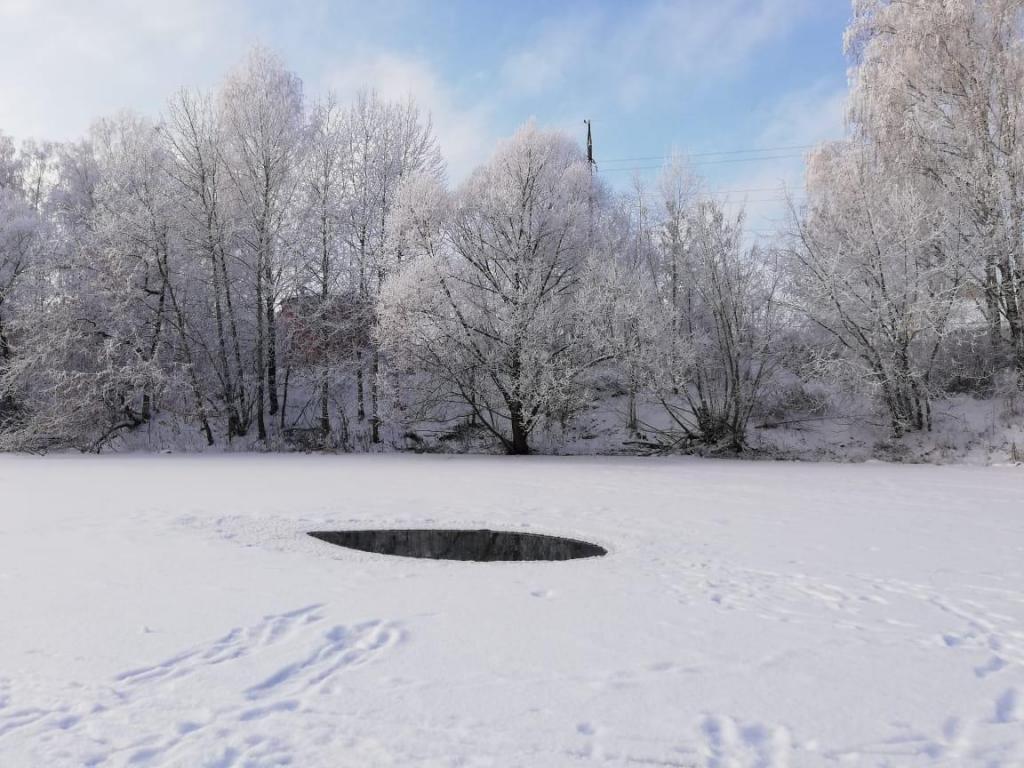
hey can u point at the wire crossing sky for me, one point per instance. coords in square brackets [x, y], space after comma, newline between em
[743, 86]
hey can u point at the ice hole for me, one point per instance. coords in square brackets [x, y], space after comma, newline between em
[475, 545]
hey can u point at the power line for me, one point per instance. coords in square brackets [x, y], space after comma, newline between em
[789, 148]
[779, 192]
[706, 162]
[779, 188]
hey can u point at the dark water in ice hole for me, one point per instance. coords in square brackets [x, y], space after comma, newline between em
[475, 545]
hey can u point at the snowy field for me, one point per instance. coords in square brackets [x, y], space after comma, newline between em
[170, 611]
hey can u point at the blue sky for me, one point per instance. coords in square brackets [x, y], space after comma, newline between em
[653, 75]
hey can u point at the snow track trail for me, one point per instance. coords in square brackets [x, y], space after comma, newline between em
[174, 719]
[173, 612]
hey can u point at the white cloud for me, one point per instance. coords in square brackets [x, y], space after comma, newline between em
[553, 55]
[807, 116]
[631, 54]
[64, 63]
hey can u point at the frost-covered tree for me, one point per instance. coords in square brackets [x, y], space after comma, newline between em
[252, 268]
[262, 112]
[489, 314]
[938, 91]
[85, 361]
[136, 253]
[323, 197]
[22, 240]
[719, 321]
[879, 267]
[693, 315]
[10, 164]
[174, 249]
[388, 143]
[198, 180]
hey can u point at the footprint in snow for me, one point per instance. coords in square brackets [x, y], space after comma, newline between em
[1008, 707]
[991, 666]
[310, 658]
[726, 743]
[341, 648]
[237, 643]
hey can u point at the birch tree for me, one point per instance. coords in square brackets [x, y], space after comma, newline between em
[326, 274]
[879, 268]
[195, 164]
[938, 89]
[389, 142]
[262, 111]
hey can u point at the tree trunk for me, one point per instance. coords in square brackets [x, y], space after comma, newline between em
[519, 446]
[5, 346]
[234, 422]
[631, 417]
[1011, 304]
[360, 390]
[261, 424]
[284, 396]
[325, 415]
[325, 282]
[992, 310]
[374, 415]
[147, 397]
[197, 393]
[271, 353]
[240, 395]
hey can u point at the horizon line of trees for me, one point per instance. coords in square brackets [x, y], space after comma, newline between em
[261, 269]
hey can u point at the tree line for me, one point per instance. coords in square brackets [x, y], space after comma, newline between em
[254, 268]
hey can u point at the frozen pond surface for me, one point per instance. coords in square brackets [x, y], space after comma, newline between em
[457, 544]
[173, 611]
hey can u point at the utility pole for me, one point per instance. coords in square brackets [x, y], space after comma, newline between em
[590, 149]
[591, 165]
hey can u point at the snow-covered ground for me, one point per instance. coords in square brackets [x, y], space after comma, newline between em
[170, 611]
